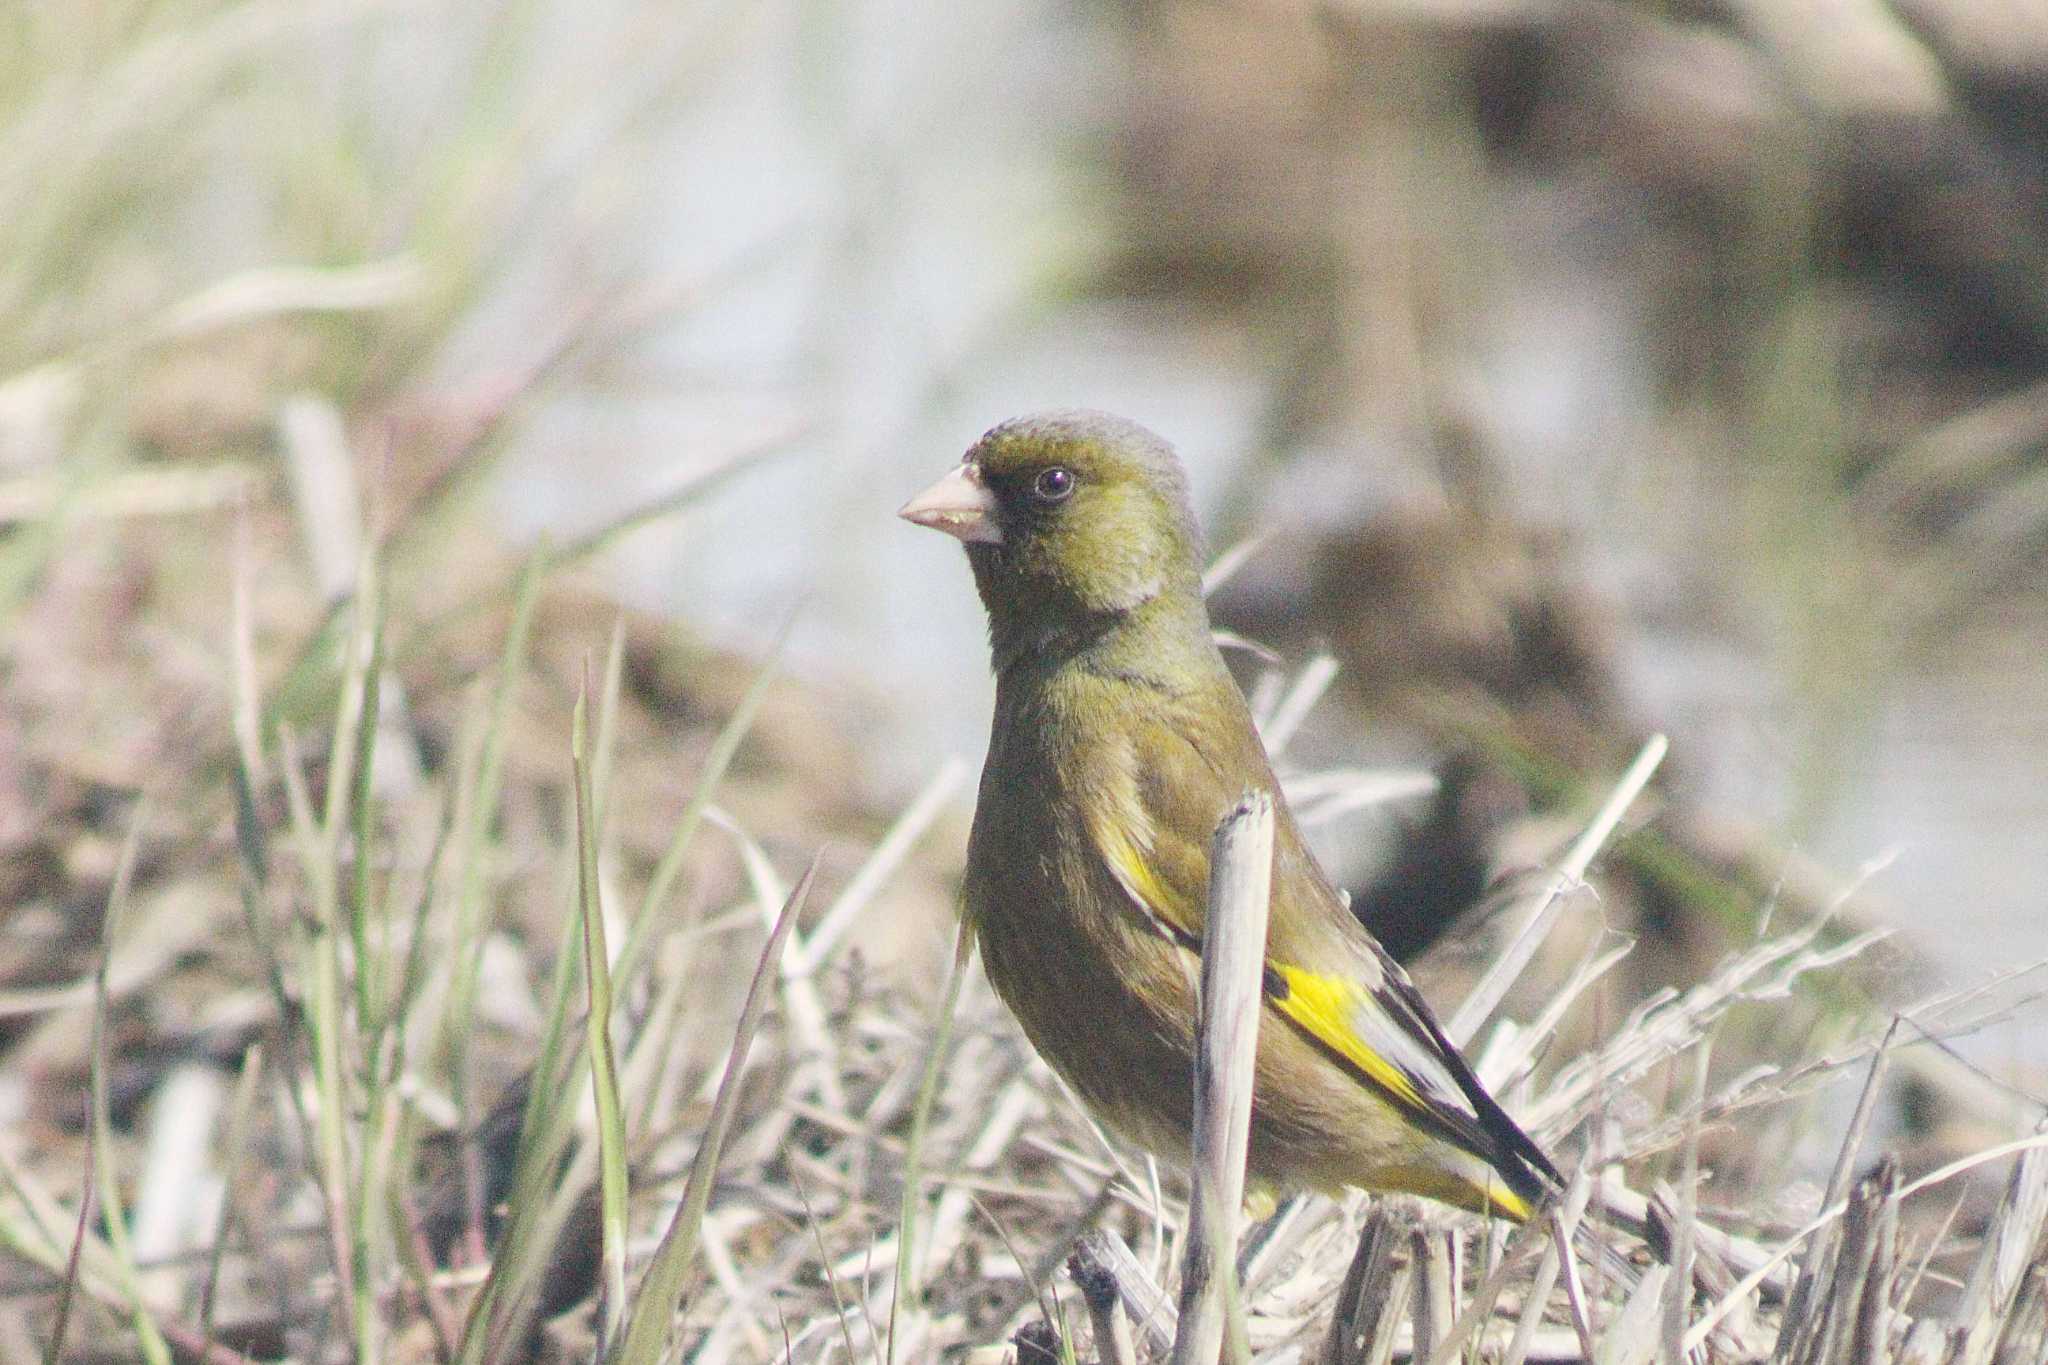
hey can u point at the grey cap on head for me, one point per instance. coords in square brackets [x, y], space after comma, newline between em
[1092, 426]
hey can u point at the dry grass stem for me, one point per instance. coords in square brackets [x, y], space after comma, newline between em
[1233, 959]
[1502, 973]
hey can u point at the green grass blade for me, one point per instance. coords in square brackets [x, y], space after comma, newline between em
[647, 1330]
[113, 1217]
[608, 723]
[366, 972]
[482, 815]
[234, 1146]
[604, 1076]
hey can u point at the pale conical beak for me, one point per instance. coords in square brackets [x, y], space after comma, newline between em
[959, 505]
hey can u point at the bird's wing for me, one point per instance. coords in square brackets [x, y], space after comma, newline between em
[1324, 974]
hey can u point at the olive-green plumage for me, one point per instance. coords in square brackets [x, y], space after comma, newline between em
[1119, 741]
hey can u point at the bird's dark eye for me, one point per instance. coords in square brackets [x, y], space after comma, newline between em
[1053, 485]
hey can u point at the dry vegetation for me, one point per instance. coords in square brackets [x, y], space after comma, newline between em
[293, 974]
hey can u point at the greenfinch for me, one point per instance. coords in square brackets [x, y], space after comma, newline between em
[1119, 741]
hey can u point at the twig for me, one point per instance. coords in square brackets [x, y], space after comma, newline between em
[1471, 1319]
[1574, 1288]
[1374, 1286]
[1225, 566]
[1295, 704]
[1632, 1337]
[1152, 1312]
[1434, 1288]
[1501, 975]
[1556, 1252]
[1233, 955]
[1099, 1290]
[2001, 1264]
[1688, 1212]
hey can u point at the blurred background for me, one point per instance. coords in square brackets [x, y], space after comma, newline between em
[1572, 369]
[1713, 333]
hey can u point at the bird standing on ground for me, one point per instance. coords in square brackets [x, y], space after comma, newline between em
[1119, 742]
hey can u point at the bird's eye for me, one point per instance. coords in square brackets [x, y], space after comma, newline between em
[1053, 485]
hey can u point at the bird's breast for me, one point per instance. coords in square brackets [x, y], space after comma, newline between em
[1104, 998]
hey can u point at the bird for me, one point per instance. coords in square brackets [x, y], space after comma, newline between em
[1118, 742]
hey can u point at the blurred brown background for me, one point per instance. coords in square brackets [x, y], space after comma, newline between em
[1588, 368]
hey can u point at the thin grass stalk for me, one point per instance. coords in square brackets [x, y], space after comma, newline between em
[1493, 985]
[251, 842]
[1571, 1208]
[548, 1110]
[374, 1150]
[96, 1055]
[1226, 1045]
[839, 1304]
[388, 1056]
[554, 1090]
[323, 972]
[1679, 1306]
[2003, 1261]
[367, 983]
[716, 761]
[604, 1076]
[553, 1096]
[544, 1119]
[1471, 1320]
[1114, 1344]
[606, 747]
[255, 876]
[1564, 1224]
[317, 844]
[67, 1284]
[412, 975]
[646, 1334]
[1224, 567]
[1747, 1284]
[113, 1217]
[234, 1145]
[39, 1237]
[1297, 702]
[470, 927]
[903, 1289]
[875, 871]
[1816, 1264]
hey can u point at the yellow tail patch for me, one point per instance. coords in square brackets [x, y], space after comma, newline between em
[1490, 1198]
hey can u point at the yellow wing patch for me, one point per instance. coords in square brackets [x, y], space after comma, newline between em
[1138, 880]
[1324, 1005]
[1321, 1004]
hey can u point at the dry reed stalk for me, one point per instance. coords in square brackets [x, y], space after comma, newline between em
[1233, 959]
[1375, 1285]
[1096, 1278]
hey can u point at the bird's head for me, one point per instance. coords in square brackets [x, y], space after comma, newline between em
[1068, 518]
